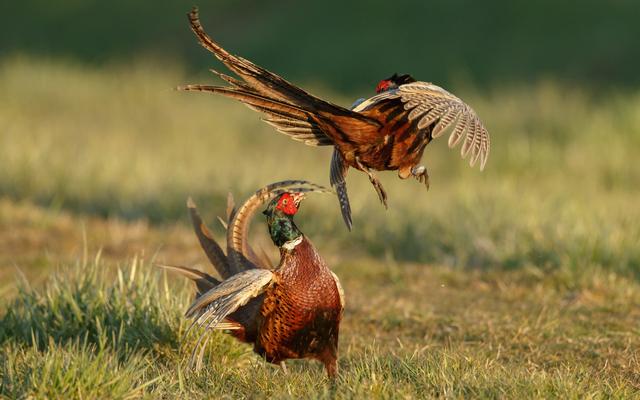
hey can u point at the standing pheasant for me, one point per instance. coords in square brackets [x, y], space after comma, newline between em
[292, 311]
[388, 131]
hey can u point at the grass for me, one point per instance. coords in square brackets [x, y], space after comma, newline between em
[521, 281]
[431, 332]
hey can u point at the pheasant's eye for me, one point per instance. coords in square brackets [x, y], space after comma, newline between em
[284, 202]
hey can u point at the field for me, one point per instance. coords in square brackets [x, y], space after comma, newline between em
[522, 281]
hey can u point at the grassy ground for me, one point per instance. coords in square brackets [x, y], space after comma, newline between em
[518, 282]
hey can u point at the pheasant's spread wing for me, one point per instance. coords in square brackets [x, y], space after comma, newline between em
[215, 304]
[430, 104]
[425, 110]
[289, 109]
[212, 307]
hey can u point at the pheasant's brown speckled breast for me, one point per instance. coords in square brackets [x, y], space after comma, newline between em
[301, 312]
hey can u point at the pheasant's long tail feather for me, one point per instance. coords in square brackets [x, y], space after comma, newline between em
[255, 77]
[203, 281]
[231, 207]
[211, 248]
[267, 92]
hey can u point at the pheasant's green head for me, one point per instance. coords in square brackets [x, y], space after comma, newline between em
[280, 212]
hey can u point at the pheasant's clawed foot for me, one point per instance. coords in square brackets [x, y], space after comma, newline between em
[420, 173]
[377, 185]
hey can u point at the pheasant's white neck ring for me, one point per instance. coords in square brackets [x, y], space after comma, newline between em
[291, 244]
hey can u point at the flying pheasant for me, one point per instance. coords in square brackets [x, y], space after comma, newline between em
[388, 131]
[292, 311]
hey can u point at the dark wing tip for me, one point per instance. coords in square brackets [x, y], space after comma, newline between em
[347, 220]
[345, 209]
[345, 206]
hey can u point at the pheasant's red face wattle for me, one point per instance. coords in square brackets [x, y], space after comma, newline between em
[289, 202]
[383, 85]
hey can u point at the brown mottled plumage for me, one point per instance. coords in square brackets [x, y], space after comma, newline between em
[291, 311]
[388, 131]
[302, 310]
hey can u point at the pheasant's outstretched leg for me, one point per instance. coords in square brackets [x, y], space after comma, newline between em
[330, 360]
[377, 185]
[420, 173]
[283, 366]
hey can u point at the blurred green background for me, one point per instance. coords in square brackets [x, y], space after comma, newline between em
[90, 122]
[350, 45]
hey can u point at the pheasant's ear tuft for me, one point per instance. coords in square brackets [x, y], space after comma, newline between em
[402, 79]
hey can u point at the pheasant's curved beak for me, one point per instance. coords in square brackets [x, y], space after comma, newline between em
[297, 198]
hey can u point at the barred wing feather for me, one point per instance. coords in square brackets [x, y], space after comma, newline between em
[432, 104]
[211, 308]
